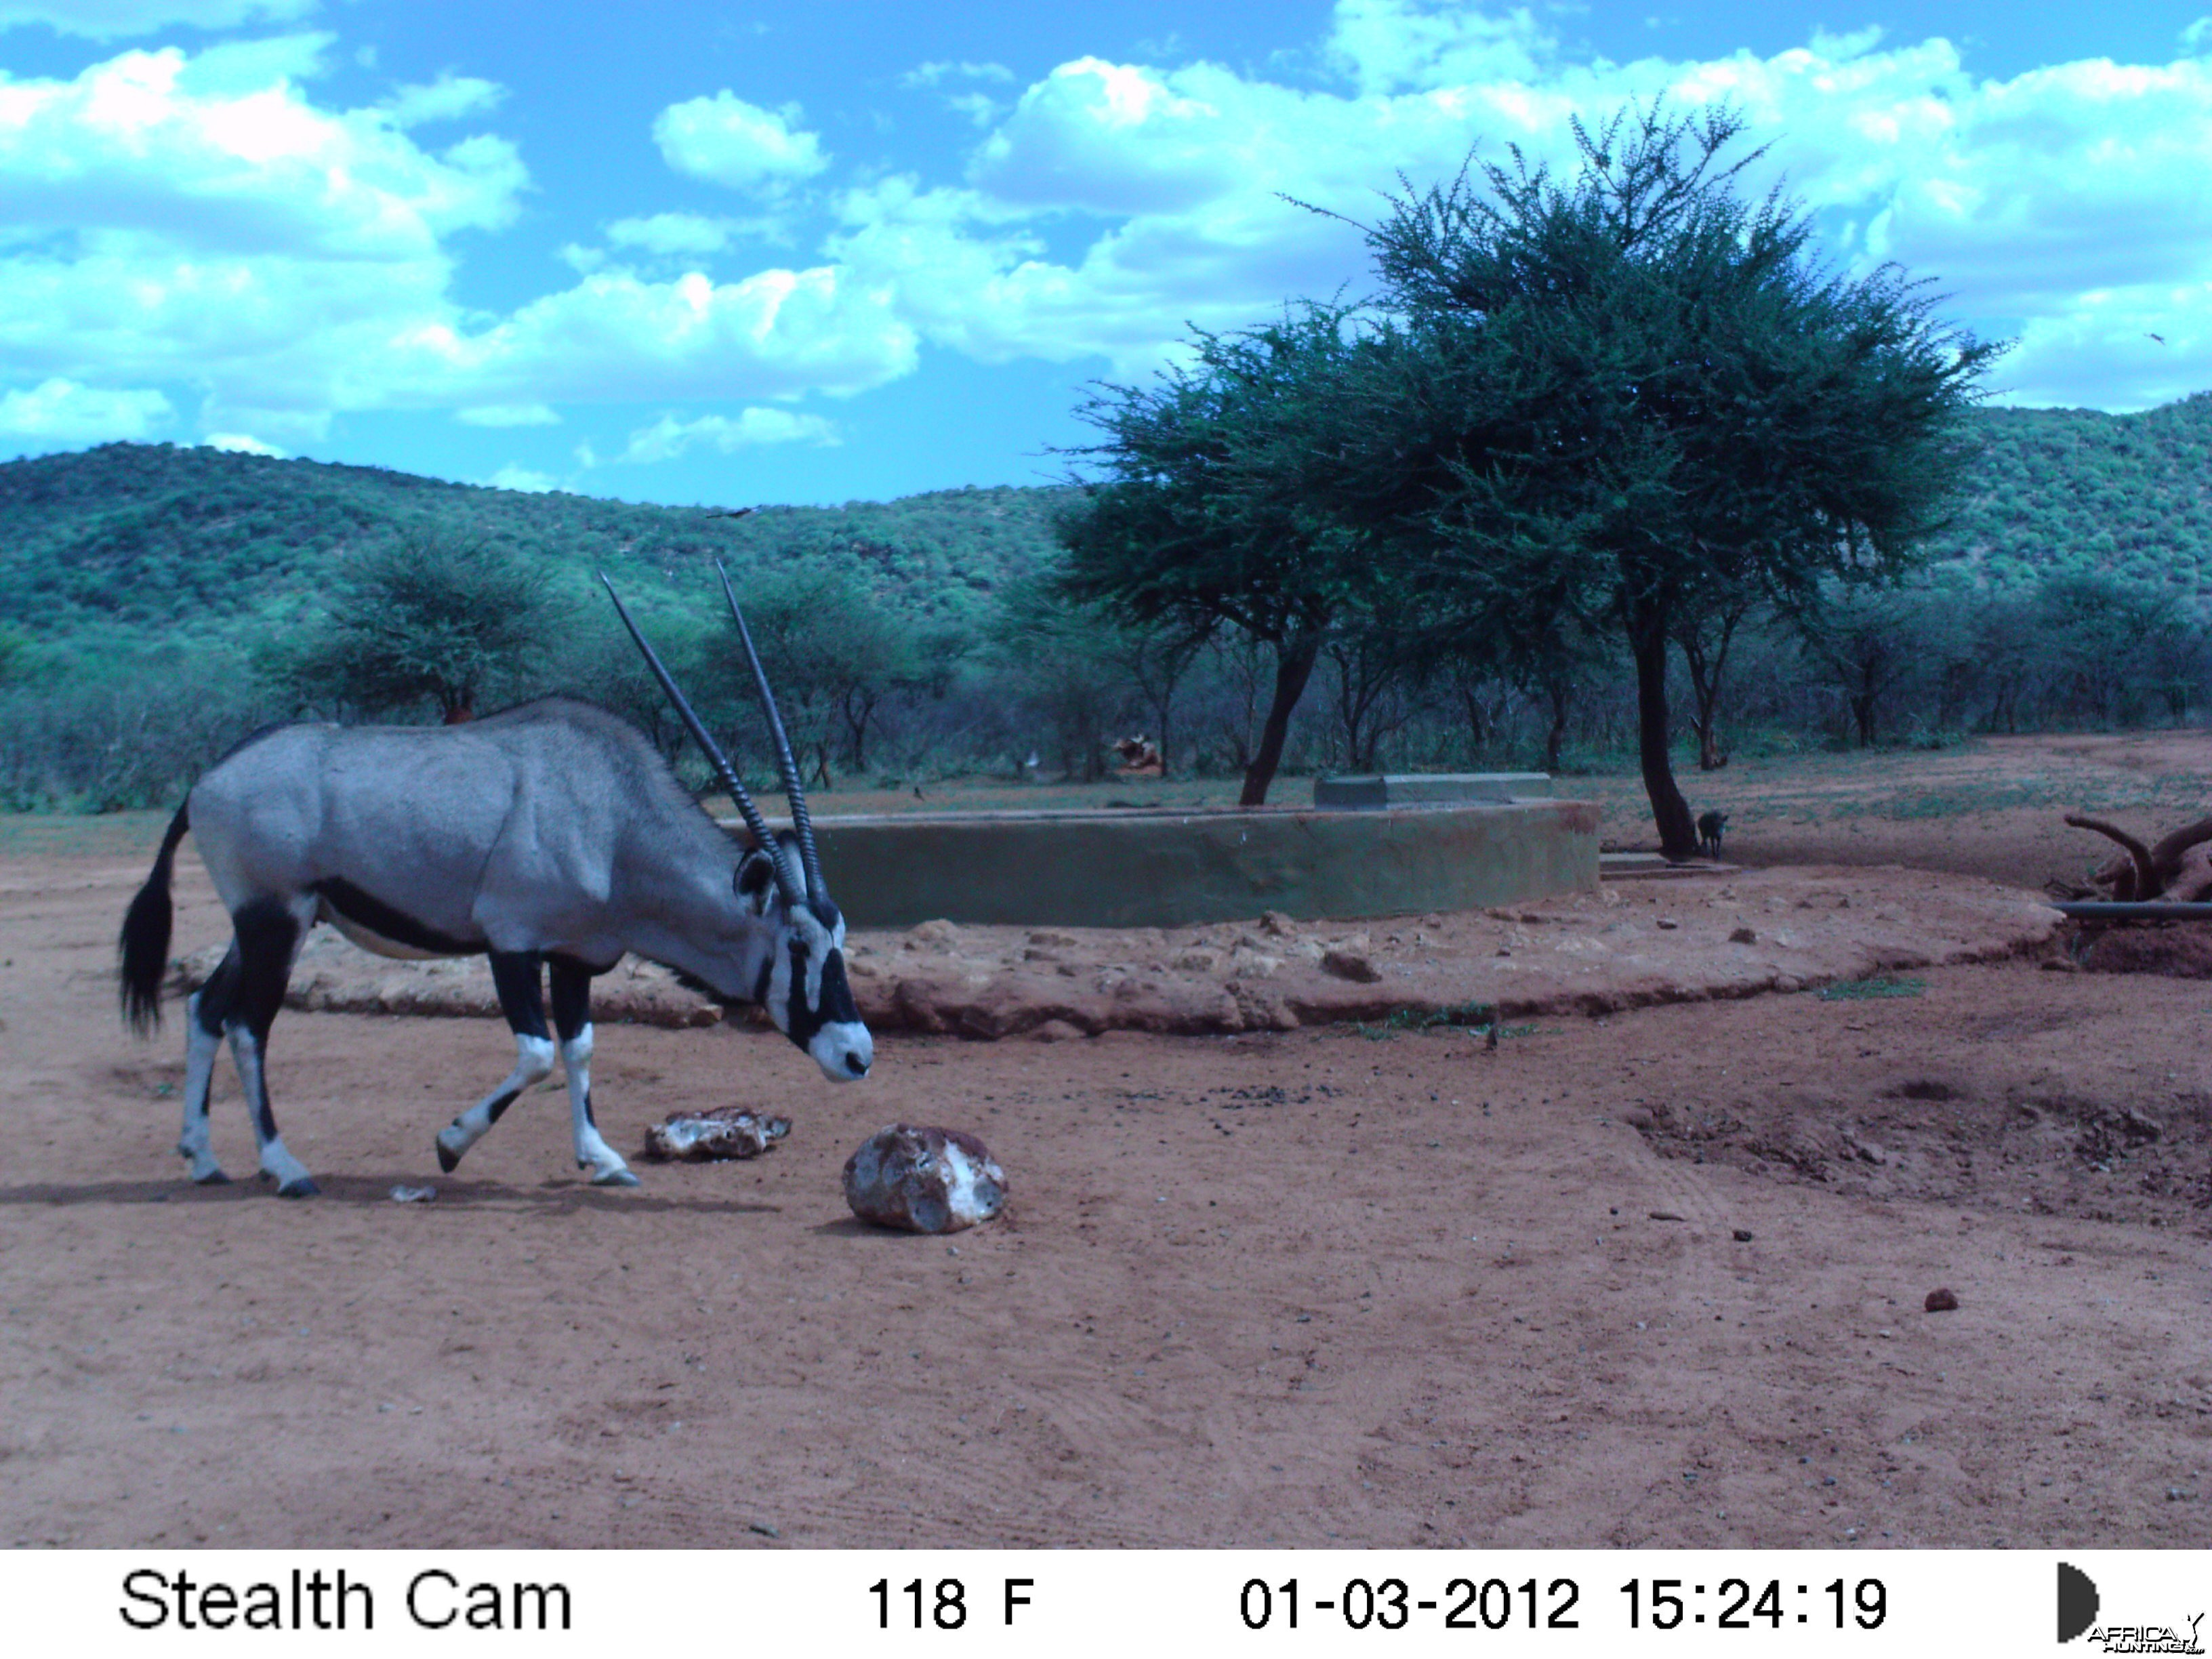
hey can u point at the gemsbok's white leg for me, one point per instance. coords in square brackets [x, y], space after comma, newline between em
[290, 1176]
[593, 1152]
[194, 1143]
[533, 1064]
[572, 1020]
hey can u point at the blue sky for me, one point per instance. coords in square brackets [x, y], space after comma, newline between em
[734, 252]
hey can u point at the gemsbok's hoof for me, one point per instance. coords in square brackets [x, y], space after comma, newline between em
[299, 1186]
[212, 1178]
[615, 1178]
[447, 1161]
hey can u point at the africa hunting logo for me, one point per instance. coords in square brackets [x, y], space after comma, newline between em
[2079, 1604]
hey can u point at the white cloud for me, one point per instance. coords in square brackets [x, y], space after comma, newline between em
[245, 443]
[173, 219]
[168, 219]
[929, 74]
[115, 20]
[1399, 46]
[978, 106]
[726, 141]
[669, 437]
[671, 232]
[448, 98]
[617, 336]
[2070, 203]
[63, 411]
[1115, 139]
[157, 145]
[521, 478]
[506, 414]
[296, 426]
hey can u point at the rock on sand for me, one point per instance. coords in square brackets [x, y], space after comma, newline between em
[924, 1180]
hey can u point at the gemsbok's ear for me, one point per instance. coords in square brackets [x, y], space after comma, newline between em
[755, 875]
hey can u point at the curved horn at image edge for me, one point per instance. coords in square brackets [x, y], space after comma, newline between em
[810, 860]
[692, 724]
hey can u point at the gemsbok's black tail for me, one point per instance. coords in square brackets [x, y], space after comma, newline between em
[144, 945]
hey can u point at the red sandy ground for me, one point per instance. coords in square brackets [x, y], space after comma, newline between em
[1302, 1287]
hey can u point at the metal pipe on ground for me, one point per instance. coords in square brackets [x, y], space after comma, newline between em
[2117, 910]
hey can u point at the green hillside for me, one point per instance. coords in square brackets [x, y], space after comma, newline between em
[130, 545]
[2076, 490]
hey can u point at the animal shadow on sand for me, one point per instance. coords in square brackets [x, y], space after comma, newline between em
[551, 1197]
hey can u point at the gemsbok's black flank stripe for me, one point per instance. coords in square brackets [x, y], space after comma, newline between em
[388, 921]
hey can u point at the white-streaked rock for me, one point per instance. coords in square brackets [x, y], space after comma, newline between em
[724, 1132]
[924, 1180]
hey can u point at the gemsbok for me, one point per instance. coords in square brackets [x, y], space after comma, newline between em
[551, 838]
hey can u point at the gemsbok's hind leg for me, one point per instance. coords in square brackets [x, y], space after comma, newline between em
[516, 976]
[203, 1022]
[268, 936]
[572, 1018]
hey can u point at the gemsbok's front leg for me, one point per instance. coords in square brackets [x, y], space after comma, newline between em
[517, 977]
[572, 1018]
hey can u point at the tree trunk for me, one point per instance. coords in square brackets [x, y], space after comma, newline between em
[1647, 641]
[1474, 727]
[1562, 694]
[1294, 666]
[1707, 669]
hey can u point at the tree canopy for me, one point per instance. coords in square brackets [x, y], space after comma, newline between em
[430, 619]
[1663, 401]
[1220, 503]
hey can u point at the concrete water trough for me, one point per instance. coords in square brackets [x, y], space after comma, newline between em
[1170, 866]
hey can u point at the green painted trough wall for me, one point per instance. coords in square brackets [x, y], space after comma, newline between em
[1165, 868]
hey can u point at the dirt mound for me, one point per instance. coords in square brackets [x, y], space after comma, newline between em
[1635, 944]
[2175, 950]
[2022, 1145]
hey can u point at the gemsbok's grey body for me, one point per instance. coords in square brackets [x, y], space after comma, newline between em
[551, 838]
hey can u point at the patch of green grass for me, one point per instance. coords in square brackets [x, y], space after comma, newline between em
[1478, 1015]
[43, 834]
[1861, 990]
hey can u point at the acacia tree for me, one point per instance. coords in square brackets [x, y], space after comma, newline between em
[1705, 632]
[1666, 403]
[428, 619]
[833, 651]
[1219, 507]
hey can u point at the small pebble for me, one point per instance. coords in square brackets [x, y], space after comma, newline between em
[763, 1530]
[1941, 1300]
[1741, 1234]
[1664, 1215]
[413, 1194]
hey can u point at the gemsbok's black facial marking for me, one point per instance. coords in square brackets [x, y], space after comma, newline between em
[801, 1022]
[754, 876]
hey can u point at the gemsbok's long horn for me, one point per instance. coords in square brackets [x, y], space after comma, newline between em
[810, 860]
[692, 724]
